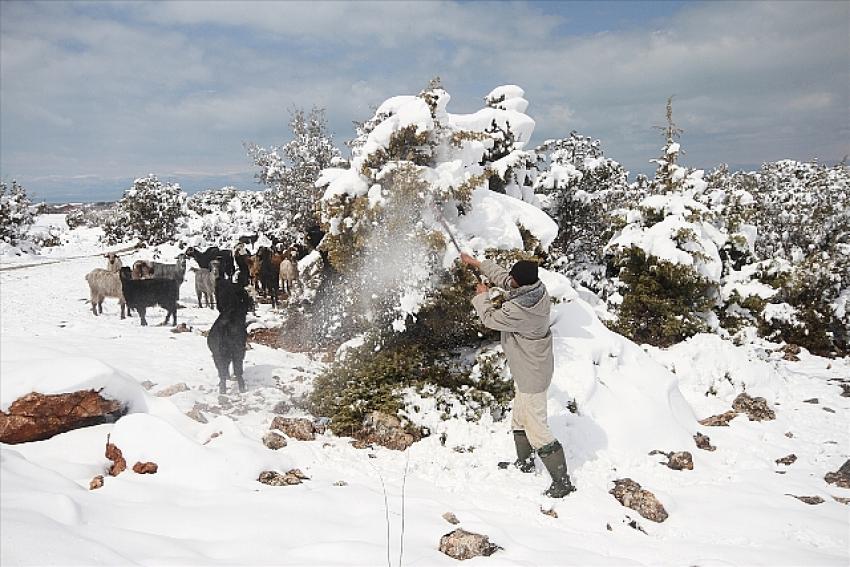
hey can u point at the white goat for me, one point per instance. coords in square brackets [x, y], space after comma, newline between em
[113, 262]
[103, 284]
[205, 283]
[288, 275]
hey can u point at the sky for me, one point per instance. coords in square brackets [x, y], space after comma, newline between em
[95, 94]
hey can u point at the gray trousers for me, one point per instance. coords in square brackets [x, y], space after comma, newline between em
[529, 415]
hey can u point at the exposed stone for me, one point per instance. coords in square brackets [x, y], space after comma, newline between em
[841, 477]
[274, 440]
[844, 501]
[96, 482]
[787, 460]
[630, 494]
[181, 328]
[113, 453]
[810, 500]
[35, 416]
[704, 442]
[811, 401]
[790, 352]
[755, 408]
[828, 410]
[298, 428]
[633, 524]
[145, 468]
[385, 430]
[274, 478]
[340, 483]
[677, 461]
[451, 518]
[721, 420]
[461, 544]
[789, 435]
[845, 390]
[173, 389]
[196, 414]
[550, 512]
[147, 384]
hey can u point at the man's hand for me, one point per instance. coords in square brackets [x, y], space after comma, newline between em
[481, 288]
[469, 260]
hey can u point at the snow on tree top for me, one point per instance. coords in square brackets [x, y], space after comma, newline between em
[506, 92]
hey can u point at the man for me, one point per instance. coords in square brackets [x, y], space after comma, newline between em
[523, 320]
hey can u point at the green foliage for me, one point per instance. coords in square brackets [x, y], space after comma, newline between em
[149, 211]
[663, 303]
[15, 215]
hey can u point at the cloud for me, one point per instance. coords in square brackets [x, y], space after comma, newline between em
[119, 90]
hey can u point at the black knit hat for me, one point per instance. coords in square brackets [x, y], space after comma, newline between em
[524, 272]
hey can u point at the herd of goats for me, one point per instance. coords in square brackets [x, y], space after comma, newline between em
[148, 284]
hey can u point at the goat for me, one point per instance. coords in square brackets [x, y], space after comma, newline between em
[226, 267]
[141, 294]
[113, 262]
[268, 274]
[203, 259]
[174, 272]
[102, 284]
[205, 283]
[243, 262]
[227, 336]
[288, 275]
[142, 269]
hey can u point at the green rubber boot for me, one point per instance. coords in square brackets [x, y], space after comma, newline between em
[552, 456]
[524, 453]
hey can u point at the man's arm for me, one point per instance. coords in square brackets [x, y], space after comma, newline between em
[503, 319]
[492, 271]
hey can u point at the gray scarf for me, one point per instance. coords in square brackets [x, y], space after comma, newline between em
[528, 295]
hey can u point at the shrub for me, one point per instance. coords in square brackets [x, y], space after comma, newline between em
[149, 211]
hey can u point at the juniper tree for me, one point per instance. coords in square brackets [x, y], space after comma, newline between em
[15, 214]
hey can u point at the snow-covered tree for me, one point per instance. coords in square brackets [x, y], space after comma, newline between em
[221, 216]
[581, 189]
[15, 214]
[290, 171]
[666, 257]
[149, 211]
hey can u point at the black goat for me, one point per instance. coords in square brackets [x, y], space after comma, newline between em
[228, 334]
[225, 258]
[269, 274]
[141, 294]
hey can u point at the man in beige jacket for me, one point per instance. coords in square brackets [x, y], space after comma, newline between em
[523, 320]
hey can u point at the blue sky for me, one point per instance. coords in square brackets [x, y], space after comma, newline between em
[94, 94]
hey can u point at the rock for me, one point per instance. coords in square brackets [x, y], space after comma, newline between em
[704, 442]
[195, 413]
[281, 408]
[810, 500]
[385, 430]
[791, 351]
[845, 390]
[631, 495]
[789, 435]
[147, 384]
[113, 453]
[451, 518]
[677, 460]
[721, 420]
[96, 482]
[340, 483]
[633, 524]
[35, 416]
[274, 478]
[788, 460]
[841, 500]
[173, 389]
[755, 408]
[461, 544]
[274, 440]
[181, 328]
[298, 428]
[811, 401]
[841, 477]
[550, 512]
[828, 410]
[145, 468]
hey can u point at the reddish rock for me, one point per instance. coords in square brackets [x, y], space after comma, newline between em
[298, 428]
[274, 441]
[810, 500]
[145, 468]
[841, 477]
[96, 482]
[790, 352]
[461, 544]
[451, 518]
[631, 495]
[787, 460]
[113, 453]
[385, 430]
[704, 442]
[173, 389]
[274, 478]
[755, 408]
[721, 420]
[40, 416]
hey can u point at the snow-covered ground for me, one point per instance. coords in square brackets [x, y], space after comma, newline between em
[205, 506]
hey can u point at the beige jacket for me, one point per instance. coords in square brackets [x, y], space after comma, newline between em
[524, 322]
